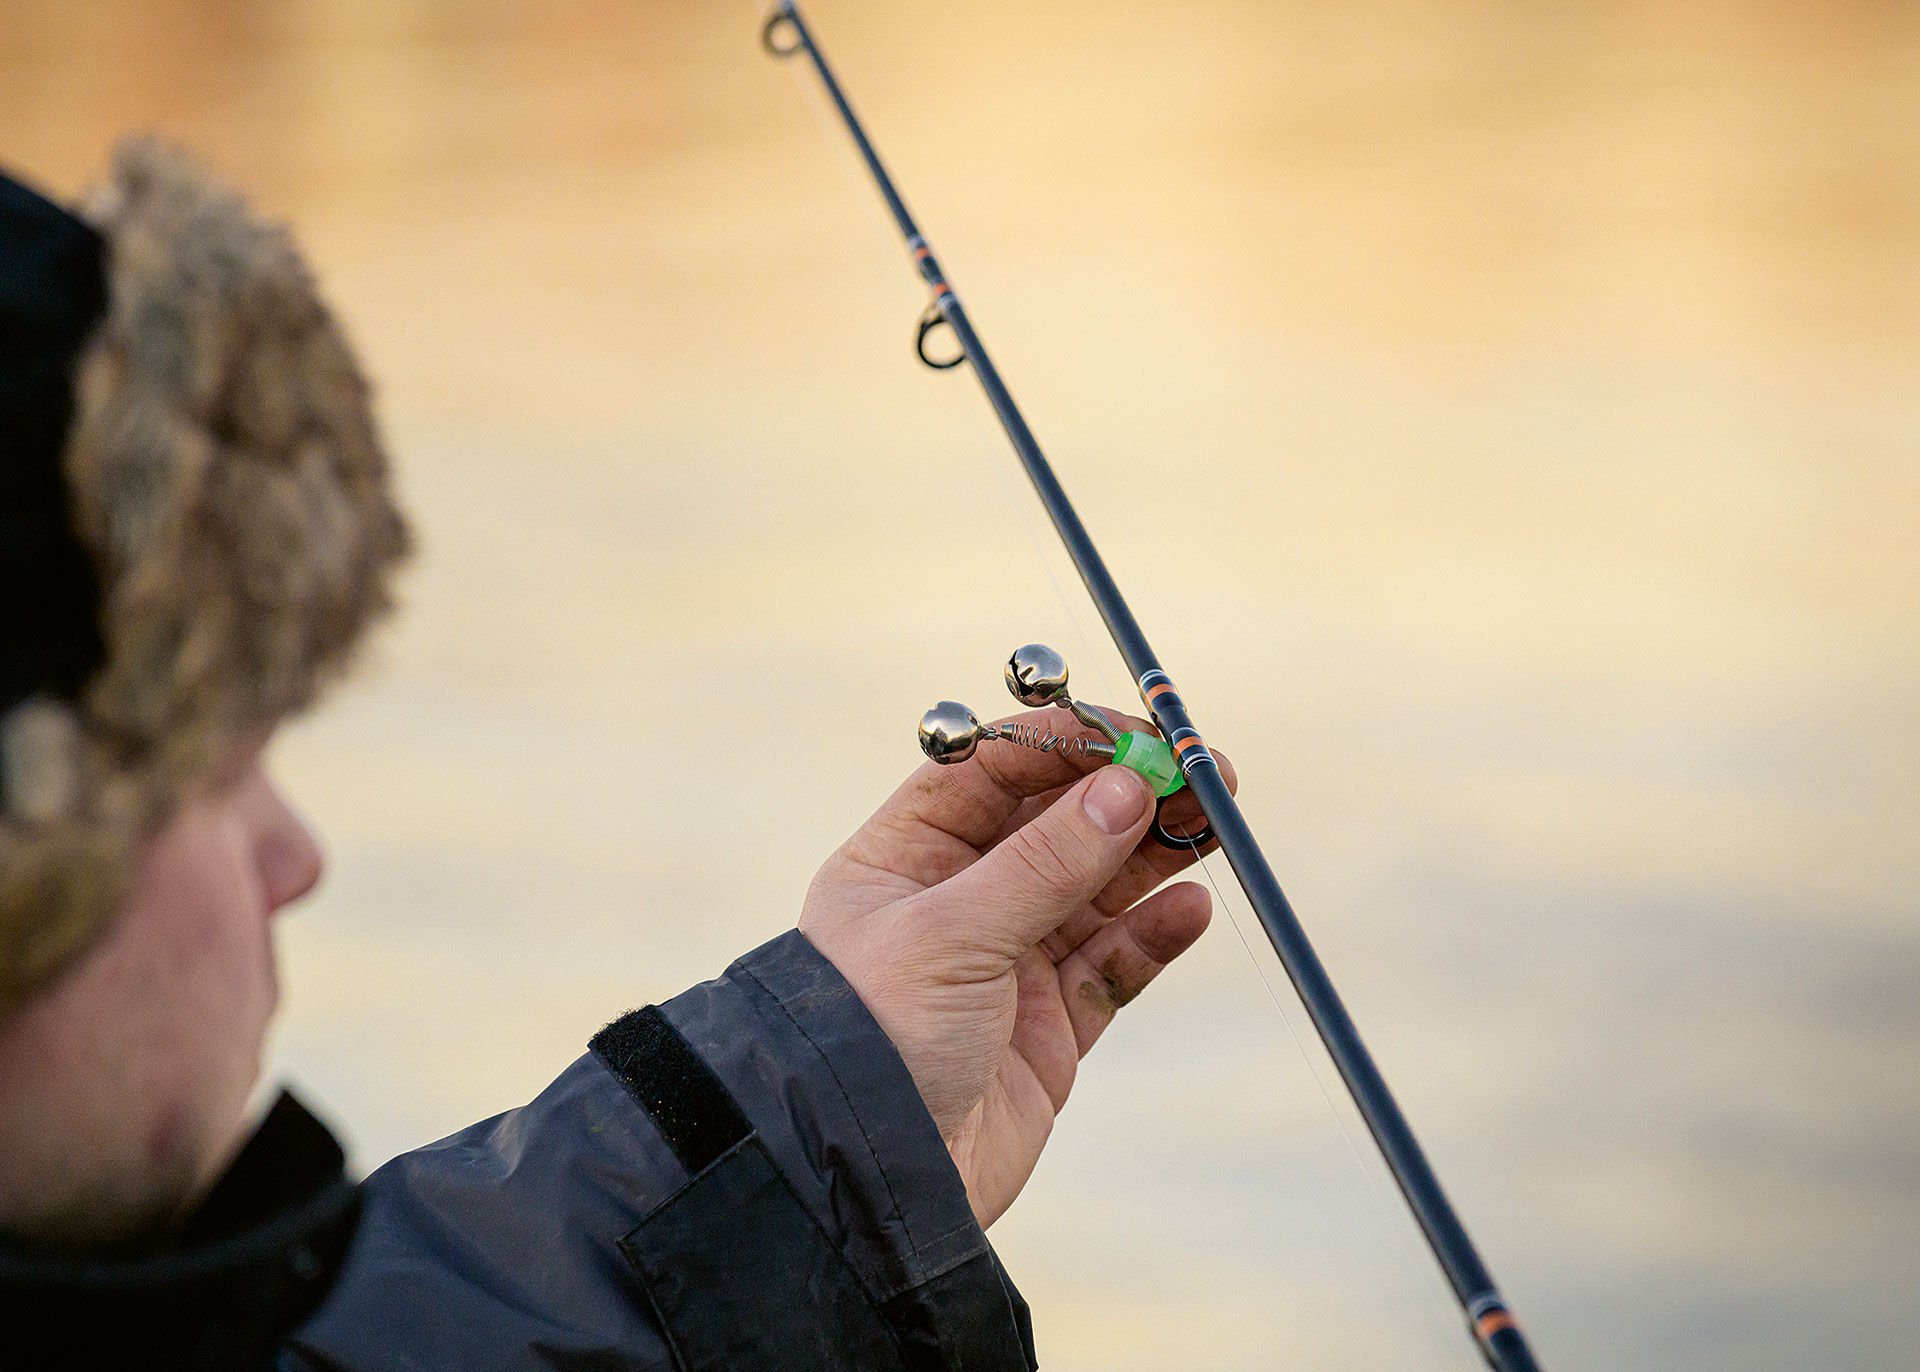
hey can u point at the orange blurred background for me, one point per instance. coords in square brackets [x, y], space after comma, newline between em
[1549, 381]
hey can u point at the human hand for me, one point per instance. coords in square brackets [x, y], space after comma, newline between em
[990, 916]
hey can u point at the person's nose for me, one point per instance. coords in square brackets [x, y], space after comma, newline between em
[286, 850]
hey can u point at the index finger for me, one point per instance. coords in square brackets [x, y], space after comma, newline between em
[974, 800]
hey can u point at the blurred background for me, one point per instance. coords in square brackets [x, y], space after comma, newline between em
[1549, 379]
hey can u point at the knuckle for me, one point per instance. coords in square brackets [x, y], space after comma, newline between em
[1054, 861]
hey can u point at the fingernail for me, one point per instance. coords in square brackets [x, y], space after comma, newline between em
[1116, 801]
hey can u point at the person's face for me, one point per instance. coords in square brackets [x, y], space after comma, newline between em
[123, 1085]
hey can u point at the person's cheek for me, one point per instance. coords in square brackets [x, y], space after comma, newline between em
[200, 948]
[242, 983]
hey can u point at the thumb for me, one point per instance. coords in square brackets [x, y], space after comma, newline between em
[1029, 883]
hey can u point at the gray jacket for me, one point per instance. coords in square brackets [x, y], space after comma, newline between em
[743, 1178]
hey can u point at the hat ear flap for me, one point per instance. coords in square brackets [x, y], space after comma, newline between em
[70, 836]
[225, 478]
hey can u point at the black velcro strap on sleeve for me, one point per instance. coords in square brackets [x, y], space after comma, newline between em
[681, 1095]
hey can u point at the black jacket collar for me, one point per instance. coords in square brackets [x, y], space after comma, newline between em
[251, 1265]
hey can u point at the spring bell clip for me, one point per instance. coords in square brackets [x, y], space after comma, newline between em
[1037, 677]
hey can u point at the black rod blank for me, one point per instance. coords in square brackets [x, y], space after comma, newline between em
[1492, 1325]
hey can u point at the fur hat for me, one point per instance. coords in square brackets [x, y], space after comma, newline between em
[223, 475]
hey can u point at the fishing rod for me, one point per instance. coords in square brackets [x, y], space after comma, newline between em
[1492, 1325]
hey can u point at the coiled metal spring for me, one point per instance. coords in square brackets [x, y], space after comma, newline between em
[1029, 735]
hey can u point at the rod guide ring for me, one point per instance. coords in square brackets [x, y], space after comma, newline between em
[783, 16]
[930, 321]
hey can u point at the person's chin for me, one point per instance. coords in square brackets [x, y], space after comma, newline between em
[225, 1130]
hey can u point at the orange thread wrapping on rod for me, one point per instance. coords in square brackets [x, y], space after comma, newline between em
[1493, 1322]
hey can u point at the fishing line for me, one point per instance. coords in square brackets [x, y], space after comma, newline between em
[1096, 653]
[1189, 760]
[1399, 1241]
[1390, 1220]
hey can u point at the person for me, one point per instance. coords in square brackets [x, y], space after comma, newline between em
[791, 1166]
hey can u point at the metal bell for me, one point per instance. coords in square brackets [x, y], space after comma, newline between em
[949, 732]
[1036, 675]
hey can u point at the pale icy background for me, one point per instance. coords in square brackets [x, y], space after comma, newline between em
[1544, 385]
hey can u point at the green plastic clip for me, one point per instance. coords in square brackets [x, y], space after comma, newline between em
[1152, 757]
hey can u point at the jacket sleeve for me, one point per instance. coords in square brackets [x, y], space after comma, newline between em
[743, 1178]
